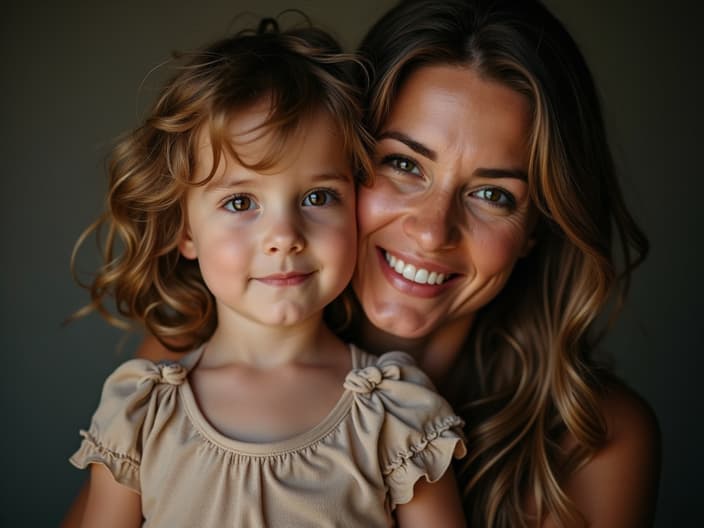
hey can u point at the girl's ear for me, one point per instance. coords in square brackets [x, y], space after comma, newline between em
[186, 246]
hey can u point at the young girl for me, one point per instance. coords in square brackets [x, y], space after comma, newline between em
[230, 226]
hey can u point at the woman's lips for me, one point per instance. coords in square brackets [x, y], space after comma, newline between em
[413, 279]
[285, 279]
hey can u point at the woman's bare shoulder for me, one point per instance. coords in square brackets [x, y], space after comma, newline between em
[618, 486]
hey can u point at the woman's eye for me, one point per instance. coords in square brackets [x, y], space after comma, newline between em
[320, 197]
[495, 196]
[401, 164]
[238, 204]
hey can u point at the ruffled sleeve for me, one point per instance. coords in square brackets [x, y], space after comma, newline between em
[135, 397]
[420, 433]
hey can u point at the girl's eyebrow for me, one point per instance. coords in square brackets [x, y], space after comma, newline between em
[414, 145]
[333, 176]
[224, 184]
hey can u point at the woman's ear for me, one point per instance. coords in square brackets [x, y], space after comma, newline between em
[528, 245]
[186, 246]
[534, 233]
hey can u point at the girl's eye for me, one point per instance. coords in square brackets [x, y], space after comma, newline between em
[240, 203]
[495, 196]
[320, 197]
[401, 164]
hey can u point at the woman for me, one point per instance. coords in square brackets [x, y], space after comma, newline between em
[489, 238]
[492, 169]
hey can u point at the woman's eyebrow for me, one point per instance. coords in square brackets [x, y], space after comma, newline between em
[502, 173]
[410, 143]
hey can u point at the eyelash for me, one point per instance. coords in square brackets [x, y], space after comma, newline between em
[509, 200]
[332, 196]
[231, 199]
[393, 160]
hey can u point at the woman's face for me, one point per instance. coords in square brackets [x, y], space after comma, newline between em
[449, 211]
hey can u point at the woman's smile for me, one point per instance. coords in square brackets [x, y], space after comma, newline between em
[415, 277]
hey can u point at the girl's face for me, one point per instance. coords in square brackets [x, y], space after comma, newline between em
[448, 213]
[274, 248]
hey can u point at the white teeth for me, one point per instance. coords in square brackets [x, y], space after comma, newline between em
[421, 276]
[410, 272]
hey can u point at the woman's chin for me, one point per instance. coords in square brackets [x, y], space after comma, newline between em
[400, 320]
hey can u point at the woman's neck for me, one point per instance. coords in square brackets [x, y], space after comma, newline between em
[435, 353]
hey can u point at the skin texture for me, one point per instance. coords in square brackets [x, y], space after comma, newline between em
[449, 195]
[273, 248]
[619, 486]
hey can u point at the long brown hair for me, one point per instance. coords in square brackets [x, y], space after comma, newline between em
[527, 377]
[299, 71]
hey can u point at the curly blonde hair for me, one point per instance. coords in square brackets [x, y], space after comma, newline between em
[299, 71]
[526, 376]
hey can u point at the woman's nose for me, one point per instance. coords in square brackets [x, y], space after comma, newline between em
[284, 237]
[433, 225]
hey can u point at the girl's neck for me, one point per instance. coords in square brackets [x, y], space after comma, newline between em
[435, 353]
[266, 346]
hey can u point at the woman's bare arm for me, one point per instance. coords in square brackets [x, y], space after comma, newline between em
[619, 486]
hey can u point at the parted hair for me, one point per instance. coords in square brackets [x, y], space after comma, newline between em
[299, 71]
[526, 376]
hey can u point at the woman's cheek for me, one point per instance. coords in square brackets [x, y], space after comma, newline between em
[497, 247]
[376, 205]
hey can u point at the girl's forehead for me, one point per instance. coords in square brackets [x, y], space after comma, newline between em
[250, 140]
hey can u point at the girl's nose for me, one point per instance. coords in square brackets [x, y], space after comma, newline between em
[284, 237]
[433, 225]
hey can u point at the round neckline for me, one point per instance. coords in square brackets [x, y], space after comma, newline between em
[293, 443]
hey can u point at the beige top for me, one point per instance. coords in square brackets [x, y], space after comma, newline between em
[388, 429]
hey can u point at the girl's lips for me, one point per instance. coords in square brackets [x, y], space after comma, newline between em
[408, 286]
[285, 279]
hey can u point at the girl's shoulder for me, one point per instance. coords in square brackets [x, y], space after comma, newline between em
[397, 369]
[618, 485]
[418, 433]
[136, 398]
[139, 379]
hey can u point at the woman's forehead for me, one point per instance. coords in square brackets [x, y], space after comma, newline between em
[453, 107]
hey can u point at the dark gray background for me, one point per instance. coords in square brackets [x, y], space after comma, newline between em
[70, 82]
